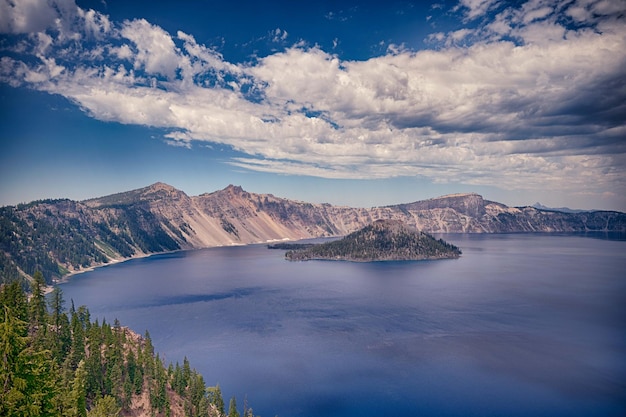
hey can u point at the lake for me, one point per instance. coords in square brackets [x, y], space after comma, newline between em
[520, 325]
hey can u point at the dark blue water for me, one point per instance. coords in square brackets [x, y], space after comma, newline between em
[520, 325]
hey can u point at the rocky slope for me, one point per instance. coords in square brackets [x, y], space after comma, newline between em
[63, 236]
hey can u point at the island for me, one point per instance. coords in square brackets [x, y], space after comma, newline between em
[383, 240]
[290, 246]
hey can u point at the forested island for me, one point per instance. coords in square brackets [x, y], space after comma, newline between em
[383, 240]
[56, 363]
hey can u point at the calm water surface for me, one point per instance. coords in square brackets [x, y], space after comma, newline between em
[520, 325]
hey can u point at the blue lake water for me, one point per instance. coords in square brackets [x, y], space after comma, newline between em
[520, 325]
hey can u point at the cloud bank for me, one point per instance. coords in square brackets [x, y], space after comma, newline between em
[531, 96]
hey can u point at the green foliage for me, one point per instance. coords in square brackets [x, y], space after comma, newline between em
[55, 364]
[380, 241]
[215, 398]
[78, 394]
[232, 408]
[56, 236]
[26, 379]
[105, 407]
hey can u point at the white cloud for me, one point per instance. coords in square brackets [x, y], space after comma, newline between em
[156, 51]
[121, 52]
[544, 109]
[96, 24]
[26, 16]
[476, 8]
[536, 14]
[458, 36]
[278, 35]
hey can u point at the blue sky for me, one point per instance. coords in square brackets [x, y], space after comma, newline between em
[352, 103]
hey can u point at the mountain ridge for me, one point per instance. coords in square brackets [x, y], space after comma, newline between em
[60, 237]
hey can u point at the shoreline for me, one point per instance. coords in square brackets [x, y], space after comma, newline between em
[65, 278]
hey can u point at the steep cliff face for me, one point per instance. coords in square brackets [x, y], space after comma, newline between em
[61, 236]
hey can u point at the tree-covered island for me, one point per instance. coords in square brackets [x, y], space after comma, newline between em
[383, 240]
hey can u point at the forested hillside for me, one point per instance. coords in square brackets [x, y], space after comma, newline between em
[60, 236]
[57, 363]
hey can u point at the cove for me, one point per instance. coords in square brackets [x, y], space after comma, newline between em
[521, 324]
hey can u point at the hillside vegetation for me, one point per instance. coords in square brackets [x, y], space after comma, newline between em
[383, 240]
[55, 363]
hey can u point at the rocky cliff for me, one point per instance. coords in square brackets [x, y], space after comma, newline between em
[62, 236]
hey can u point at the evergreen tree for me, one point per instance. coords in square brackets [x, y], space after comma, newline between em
[12, 296]
[93, 362]
[147, 356]
[232, 408]
[105, 407]
[178, 385]
[37, 309]
[59, 336]
[138, 378]
[214, 395]
[129, 379]
[26, 384]
[159, 398]
[77, 350]
[79, 392]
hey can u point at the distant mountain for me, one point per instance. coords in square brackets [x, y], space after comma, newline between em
[59, 237]
[540, 206]
[383, 240]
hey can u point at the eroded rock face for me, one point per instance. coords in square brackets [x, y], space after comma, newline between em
[161, 218]
[471, 204]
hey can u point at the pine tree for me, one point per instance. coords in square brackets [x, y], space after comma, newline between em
[26, 381]
[147, 356]
[12, 296]
[105, 407]
[59, 336]
[214, 395]
[37, 309]
[77, 349]
[79, 392]
[129, 377]
[232, 408]
[93, 362]
[138, 379]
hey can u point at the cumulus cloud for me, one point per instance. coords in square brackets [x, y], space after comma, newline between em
[155, 48]
[532, 97]
[26, 16]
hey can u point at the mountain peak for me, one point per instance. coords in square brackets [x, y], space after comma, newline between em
[457, 195]
[160, 186]
[235, 189]
[156, 191]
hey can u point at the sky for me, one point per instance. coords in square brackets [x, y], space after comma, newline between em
[348, 102]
